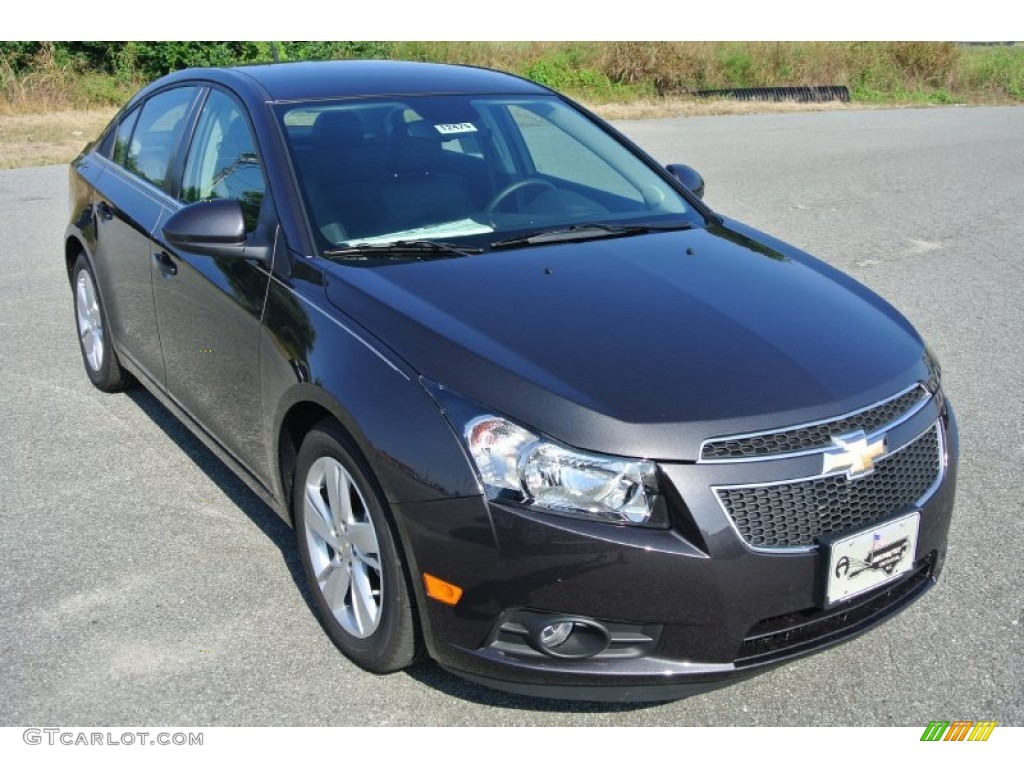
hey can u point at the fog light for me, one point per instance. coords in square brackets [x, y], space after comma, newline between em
[553, 635]
[566, 637]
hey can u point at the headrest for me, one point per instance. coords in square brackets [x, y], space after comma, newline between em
[421, 129]
[235, 141]
[337, 128]
[415, 148]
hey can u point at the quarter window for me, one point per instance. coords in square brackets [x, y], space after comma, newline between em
[107, 143]
[124, 135]
[223, 163]
[156, 135]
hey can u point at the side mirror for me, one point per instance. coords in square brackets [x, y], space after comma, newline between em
[210, 228]
[688, 177]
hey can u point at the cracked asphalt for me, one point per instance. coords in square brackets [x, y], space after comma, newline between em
[140, 582]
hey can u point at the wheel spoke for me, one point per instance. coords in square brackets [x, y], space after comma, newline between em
[338, 494]
[363, 538]
[336, 587]
[331, 480]
[317, 517]
[83, 314]
[371, 560]
[363, 605]
[314, 519]
[326, 571]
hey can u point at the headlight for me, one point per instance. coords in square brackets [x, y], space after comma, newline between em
[516, 465]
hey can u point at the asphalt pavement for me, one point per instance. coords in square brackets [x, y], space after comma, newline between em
[141, 583]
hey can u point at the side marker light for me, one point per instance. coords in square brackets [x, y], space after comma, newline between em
[441, 590]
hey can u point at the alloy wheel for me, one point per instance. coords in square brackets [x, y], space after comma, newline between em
[343, 547]
[90, 321]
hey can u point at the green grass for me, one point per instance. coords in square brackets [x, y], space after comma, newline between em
[997, 71]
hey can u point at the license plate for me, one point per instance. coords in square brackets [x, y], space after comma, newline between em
[870, 558]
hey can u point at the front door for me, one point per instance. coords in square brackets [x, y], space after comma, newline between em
[209, 309]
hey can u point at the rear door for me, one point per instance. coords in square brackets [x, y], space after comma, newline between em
[209, 309]
[130, 198]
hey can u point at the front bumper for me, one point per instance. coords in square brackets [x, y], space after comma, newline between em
[723, 611]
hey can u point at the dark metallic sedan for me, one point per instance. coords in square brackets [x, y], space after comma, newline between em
[530, 405]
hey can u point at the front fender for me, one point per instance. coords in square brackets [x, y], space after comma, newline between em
[311, 353]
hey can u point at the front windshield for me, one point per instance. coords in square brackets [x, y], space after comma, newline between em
[472, 169]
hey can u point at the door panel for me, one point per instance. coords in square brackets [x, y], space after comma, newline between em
[209, 312]
[126, 212]
[129, 202]
[209, 317]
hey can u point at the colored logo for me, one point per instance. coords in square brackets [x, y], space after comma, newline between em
[853, 453]
[958, 730]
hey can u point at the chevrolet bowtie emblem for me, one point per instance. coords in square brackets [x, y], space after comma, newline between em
[854, 454]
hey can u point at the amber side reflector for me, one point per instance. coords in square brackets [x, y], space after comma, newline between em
[441, 590]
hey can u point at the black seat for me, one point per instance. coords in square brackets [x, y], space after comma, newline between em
[347, 175]
[420, 190]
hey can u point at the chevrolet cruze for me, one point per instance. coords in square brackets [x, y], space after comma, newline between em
[532, 408]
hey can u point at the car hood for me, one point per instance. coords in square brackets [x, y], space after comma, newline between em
[642, 345]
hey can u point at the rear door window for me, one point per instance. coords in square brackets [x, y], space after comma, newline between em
[157, 133]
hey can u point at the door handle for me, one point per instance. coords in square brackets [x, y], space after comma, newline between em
[165, 264]
[104, 210]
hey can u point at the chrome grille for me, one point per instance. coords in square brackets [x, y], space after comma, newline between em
[799, 513]
[813, 436]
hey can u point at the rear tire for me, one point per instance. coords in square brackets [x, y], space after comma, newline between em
[98, 355]
[350, 556]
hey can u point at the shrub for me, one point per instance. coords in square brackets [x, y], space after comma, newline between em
[559, 72]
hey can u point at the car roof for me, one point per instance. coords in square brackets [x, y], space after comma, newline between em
[299, 81]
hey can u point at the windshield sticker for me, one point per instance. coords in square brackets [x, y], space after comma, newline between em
[458, 228]
[446, 129]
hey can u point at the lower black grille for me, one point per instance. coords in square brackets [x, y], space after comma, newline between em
[799, 513]
[783, 636]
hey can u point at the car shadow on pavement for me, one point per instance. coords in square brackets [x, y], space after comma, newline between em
[274, 528]
[238, 492]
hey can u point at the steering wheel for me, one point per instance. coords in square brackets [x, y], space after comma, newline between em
[512, 188]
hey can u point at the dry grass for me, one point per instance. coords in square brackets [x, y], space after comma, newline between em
[45, 139]
[643, 109]
[673, 66]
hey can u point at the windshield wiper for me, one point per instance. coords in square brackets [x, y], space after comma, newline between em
[403, 249]
[587, 232]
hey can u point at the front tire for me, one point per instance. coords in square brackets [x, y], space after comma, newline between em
[350, 555]
[98, 355]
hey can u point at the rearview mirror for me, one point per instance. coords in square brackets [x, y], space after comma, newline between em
[688, 177]
[210, 228]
